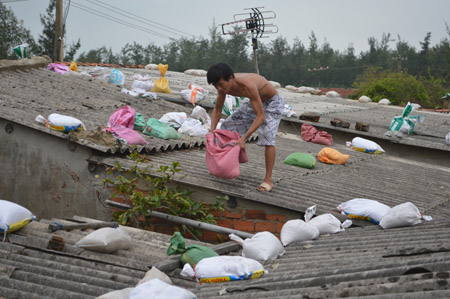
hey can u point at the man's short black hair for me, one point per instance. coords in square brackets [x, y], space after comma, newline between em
[219, 71]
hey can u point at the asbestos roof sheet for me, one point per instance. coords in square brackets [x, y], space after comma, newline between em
[384, 178]
[28, 269]
[369, 262]
[26, 94]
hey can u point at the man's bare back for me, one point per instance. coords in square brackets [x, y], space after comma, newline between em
[245, 81]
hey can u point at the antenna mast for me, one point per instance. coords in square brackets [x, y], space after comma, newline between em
[255, 27]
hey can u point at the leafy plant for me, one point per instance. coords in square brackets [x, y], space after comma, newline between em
[400, 88]
[160, 194]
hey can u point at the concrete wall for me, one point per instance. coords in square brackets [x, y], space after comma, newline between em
[48, 175]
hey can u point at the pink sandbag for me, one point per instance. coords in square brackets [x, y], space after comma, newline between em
[311, 134]
[121, 124]
[58, 68]
[223, 155]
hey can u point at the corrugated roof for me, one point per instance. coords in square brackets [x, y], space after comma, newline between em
[26, 94]
[28, 269]
[410, 262]
[384, 178]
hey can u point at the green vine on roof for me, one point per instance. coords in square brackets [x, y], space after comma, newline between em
[160, 194]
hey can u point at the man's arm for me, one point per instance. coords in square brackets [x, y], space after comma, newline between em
[217, 111]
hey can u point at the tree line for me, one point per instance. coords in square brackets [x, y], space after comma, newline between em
[317, 65]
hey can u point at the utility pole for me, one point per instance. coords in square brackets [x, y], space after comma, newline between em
[58, 51]
[399, 62]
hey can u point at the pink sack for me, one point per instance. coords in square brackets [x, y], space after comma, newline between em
[222, 155]
[58, 68]
[311, 134]
[121, 124]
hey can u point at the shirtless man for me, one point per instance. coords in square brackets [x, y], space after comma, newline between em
[263, 111]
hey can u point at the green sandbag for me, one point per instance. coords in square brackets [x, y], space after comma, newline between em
[139, 122]
[301, 160]
[159, 129]
[192, 254]
[195, 253]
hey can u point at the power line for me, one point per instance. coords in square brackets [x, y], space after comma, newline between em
[114, 19]
[146, 21]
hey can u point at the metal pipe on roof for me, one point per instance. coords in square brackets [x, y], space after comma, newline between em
[190, 222]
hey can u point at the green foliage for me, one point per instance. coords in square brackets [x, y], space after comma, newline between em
[12, 34]
[400, 88]
[160, 194]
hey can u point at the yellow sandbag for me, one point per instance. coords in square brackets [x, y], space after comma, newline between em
[162, 84]
[73, 66]
[331, 156]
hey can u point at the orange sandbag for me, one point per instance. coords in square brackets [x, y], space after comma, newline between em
[331, 156]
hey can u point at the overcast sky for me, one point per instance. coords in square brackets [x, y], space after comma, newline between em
[340, 22]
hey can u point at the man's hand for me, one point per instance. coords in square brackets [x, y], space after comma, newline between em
[241, 142]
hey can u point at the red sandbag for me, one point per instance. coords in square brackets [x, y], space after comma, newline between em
[311, 134]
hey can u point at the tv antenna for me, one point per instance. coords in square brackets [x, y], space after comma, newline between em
[255, 26]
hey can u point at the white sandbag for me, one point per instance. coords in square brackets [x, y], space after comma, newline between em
[291, 87]
[332, 94]
[329, 224]
[364, 99]
[365, 209]
[155, 273]
[304, 89]
[119, 294]
[62, 123]
[298, 230]
[227, 268]
[405, 214]
[152, 67]
[158, 289]
[384, 102]
[106, 240]
[13, 217]
[193, 127]
[200, 113]
[288, 111]
[447, 139]
[416, 106]
[100, 72]
[174, 119]
[187, 271]
[193, 96]
[276, 85]
[142, 86]
[262, 246]
[366, 146]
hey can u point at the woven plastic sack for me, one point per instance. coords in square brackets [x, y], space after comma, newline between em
[227, 268]
[62, 123]
[331, 156]
[158, 289]
[301, 160]
[329, 224]
[174, 119]
[159, 129]
[365, 209]
[139, 122]
[366, 146]
[162, 84]
[155, 273]
[13, 217]
[116, 77]
[223, 156]
[106, 240]
[298, 230]
[262, 246]
[118, 294]
[192, 255]
[405, 214]
[73, 66]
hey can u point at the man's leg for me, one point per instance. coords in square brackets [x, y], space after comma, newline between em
[270, 153]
